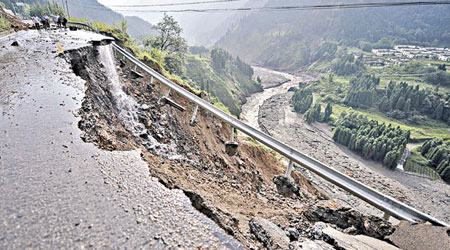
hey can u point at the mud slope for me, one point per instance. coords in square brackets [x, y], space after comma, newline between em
[123, 111]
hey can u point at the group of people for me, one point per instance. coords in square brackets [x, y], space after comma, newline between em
[44, 20]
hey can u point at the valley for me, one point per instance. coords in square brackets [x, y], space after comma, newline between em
[276, 117]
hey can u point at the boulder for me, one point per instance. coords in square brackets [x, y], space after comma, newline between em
[350, 220]
[409, 235]
[285, 186]
[269, 234]
[340, 240]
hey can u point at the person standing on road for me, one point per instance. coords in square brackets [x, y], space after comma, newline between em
[42, 19]
[36, 22]
[64, 21]
[58, 21]
[47, 21]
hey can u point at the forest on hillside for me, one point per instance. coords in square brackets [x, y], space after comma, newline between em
[224, 76]
[398, 100]
[294, 39]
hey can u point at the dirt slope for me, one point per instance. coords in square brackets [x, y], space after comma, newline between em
[16, 23]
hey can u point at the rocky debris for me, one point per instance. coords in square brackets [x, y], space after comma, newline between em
[312, 245]
[16, 23]
[268, 233]
[285, 186]
[277, 117]
[340, 240]
[223, 219]
[231, 147]
[351, 221]
[418, 236]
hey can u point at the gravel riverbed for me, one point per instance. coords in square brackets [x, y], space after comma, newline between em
[276, 116]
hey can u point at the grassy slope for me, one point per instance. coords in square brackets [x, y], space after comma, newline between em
[335, 93]
[431, 129]
[416, 163]
[230, 86]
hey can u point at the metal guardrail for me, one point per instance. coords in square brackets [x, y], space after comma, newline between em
[83, 25]
[385, 203]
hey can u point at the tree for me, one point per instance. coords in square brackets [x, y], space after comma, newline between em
[169, 38]
[124, 26]
[327, 113]
[259, 80]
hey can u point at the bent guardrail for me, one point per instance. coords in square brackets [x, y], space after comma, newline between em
[84, 25]
[387, 204]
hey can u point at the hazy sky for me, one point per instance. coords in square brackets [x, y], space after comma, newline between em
[194, 24]
[155, 17]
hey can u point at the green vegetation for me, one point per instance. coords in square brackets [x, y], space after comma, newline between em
[400, 101]
[347, 64]
[440, 78]
[225, 77]
[49, 9]
[302, 99]
[428, 129]
[416, 163]
[169, 38]
[371, 139]
[4, 24]
[291, 41]
[437, 156]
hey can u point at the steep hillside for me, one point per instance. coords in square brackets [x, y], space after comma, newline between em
[291, 39]
[227, 78]
[93, 10]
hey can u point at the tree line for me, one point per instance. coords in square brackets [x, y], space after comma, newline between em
[398, 100]
[347, 64]
[302, 101]
[372, 140]
[438, 154]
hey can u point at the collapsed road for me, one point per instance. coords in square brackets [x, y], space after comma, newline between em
[61, 192]
[91, 157]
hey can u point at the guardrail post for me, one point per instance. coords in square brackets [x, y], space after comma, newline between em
[383, 202]
[289, 169]
[232, 134]
[231, 146]
[193, 120]
[386, 216]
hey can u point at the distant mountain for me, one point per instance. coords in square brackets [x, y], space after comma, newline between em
[292, 39]
[199, 28]
[93, 10]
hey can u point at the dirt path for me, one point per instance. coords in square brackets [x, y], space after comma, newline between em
[59, 192]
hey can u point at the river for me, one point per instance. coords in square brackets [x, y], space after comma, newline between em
[250, 109]
[315, 140]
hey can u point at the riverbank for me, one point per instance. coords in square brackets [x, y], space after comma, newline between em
[276, 116]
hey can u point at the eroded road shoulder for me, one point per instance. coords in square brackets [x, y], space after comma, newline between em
[59, 192]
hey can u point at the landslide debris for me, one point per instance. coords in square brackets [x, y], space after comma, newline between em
[238, 192]
[16, 23]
